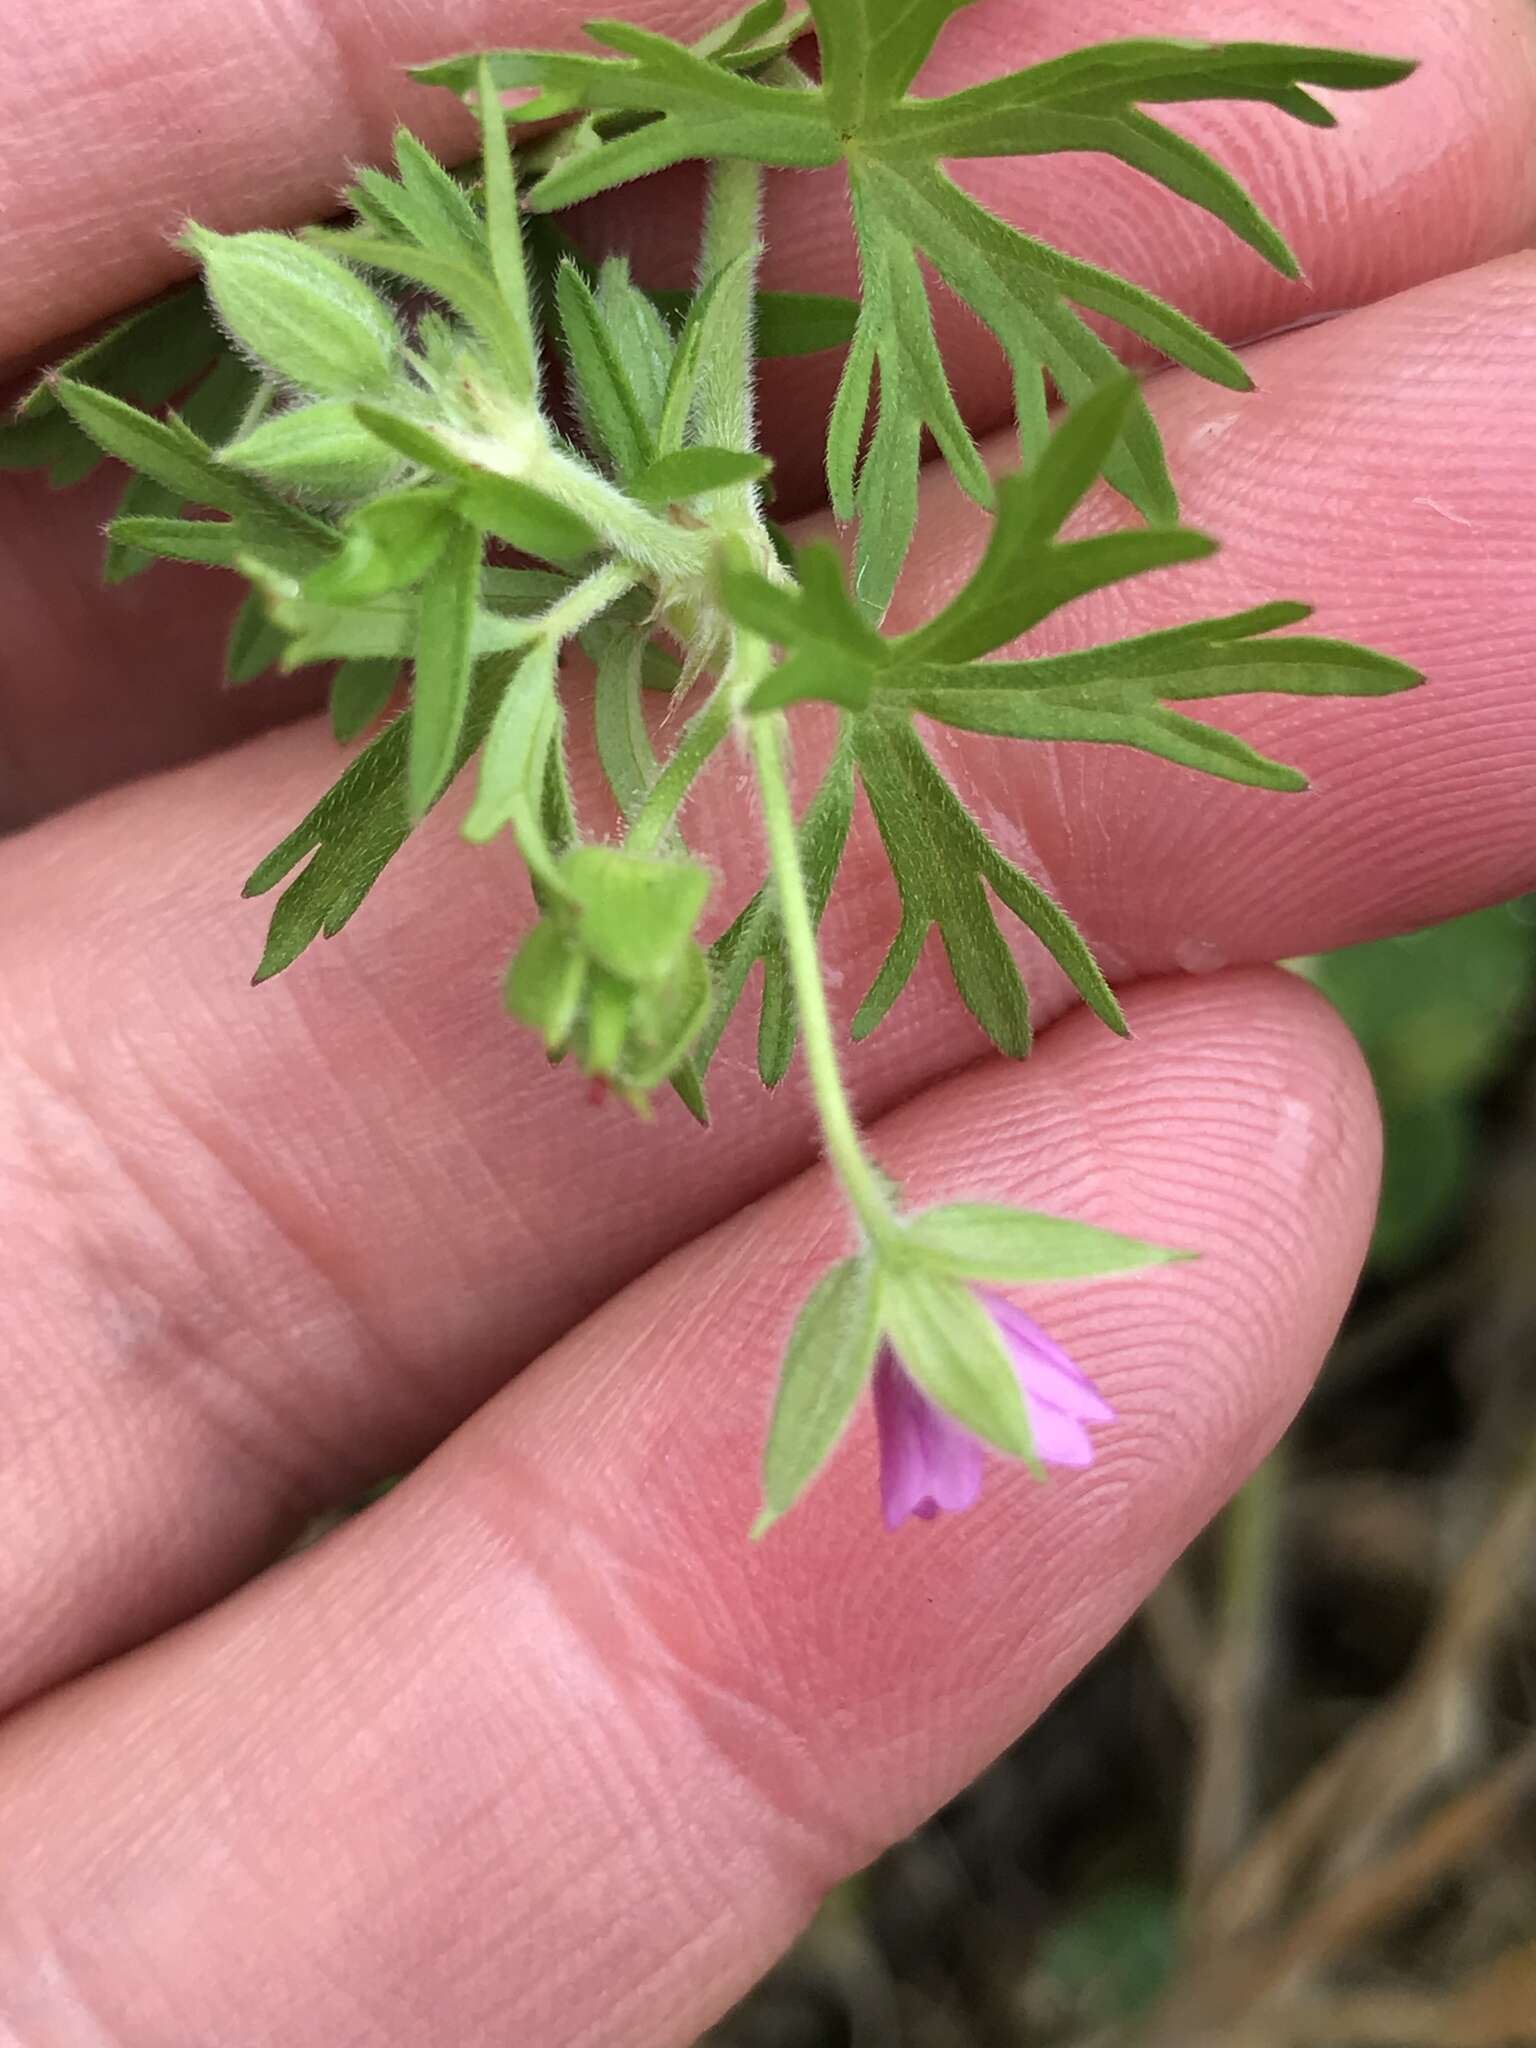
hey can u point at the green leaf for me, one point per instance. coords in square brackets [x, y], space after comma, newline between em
[322, 449]
[525, 518]
[758, 933]
[826, 1368]
[1021, 582]
[606, 399]
[307, 316]
[1115, 694]
[943, 865]
[504, 235]
[706, 110]
[694, 472]
[1088, 99]
[1019, 1247]
[623, 743]
[803, 323]
[949, 1344]
[361, 692]
[149, 357]
[833, 652]
[444, 662]
[788, 323]
[914, 385]
[52, 443]
[170, 452]
[216, 542]
[353, 832]
[256, 644]
[214, 411]
[515, 765]
[871, 51]
[659, 103]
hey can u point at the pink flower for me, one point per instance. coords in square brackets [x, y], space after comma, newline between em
[928, 1461]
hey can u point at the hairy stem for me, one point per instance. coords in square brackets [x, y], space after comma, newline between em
[725, 410]
[861, 1183]
[701, 738]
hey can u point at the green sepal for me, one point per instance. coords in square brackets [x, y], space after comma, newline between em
[544, 984]
[827, 1365]
[695, 472]
[216, 543]
[951, 1347]
[319, 449]
[635, 913]
[1020, 1247]
[387, 545]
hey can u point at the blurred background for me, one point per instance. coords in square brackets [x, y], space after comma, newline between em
[1292, 1806]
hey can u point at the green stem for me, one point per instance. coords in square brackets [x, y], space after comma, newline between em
[724, 409]
[861, 1183]
[653, 546]
[701, 738]
[587, 601]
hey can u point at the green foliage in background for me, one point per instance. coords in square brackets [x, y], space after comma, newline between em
[1438, 1014]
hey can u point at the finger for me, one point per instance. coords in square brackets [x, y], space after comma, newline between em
[550, 1677]
[286, 99]
[1431, 177]
[261, 1248]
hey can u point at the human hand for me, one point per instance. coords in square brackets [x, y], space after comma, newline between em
[540, 1749]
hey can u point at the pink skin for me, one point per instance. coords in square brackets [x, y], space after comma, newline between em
[541, 1747]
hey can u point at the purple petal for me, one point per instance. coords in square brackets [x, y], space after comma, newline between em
[1059, 1439]
[927, 1460]
[1046, 1373]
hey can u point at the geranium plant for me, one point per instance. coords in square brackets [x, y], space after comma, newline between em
[444, 447]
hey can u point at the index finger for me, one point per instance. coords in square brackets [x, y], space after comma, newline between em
[119, 117]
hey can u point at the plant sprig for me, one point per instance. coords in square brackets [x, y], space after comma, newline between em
[443, 447]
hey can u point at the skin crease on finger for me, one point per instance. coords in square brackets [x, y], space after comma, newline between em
[265, 1246]
[1431, 177]
[542, 1747]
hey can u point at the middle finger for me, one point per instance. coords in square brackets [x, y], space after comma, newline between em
[261, 1248]
[1432, 177]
